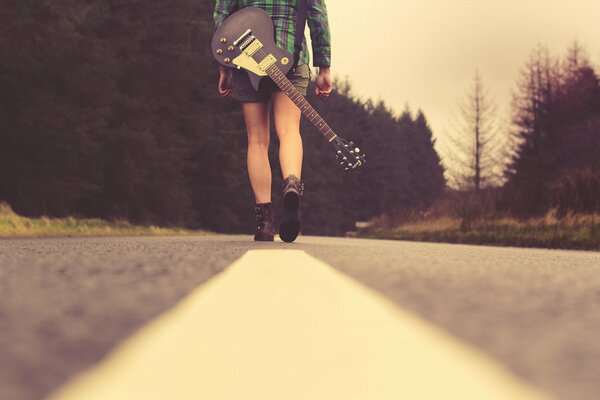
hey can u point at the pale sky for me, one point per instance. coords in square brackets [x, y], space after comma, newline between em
[425, 52]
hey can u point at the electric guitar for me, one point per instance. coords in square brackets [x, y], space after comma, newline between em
[245, 40]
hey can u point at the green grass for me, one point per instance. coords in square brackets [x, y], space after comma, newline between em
[13, 225]
[573, 232]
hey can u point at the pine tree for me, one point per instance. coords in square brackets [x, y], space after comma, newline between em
[531, 167]
[475, 142]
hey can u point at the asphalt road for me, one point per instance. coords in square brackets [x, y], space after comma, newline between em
[64, 303]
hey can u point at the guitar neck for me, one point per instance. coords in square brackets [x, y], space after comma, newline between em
[309, 112]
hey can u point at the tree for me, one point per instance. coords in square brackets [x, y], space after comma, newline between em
[429, 182]
[475, 141]
[534, 131]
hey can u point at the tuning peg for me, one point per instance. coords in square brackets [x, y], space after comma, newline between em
[345, 158]
[357, 157]
[351, 152]
[346, 145]
[357, 150]
[339, 152]
[350, 164]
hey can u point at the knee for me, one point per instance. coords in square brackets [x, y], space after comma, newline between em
[288, 132]
[258, 139]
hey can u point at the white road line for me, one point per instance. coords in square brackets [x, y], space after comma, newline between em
[280, 324]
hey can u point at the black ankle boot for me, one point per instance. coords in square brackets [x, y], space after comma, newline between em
[265, 231]
[292, 191]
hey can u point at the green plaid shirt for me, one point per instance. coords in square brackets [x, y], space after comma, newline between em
[283, 13]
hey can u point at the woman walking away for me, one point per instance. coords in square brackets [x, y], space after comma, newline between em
[255, 105]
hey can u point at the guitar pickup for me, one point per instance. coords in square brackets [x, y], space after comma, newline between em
[253, 47]
[267, 62]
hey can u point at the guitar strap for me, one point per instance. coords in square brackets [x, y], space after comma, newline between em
[301, 15]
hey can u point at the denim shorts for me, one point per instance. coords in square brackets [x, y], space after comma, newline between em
[243, 91]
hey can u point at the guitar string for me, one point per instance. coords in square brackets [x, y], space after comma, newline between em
[261, 53]
[286, 81]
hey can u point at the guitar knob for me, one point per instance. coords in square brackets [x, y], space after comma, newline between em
[223, 40]
[349, 164]
[351, 152]
[351, 143]
[227, 60]
[342, 163]
[230, 48]
[339, 152]
[219, 51]
[346, 169]
[345, 158]
[357, 150]
[357, 157]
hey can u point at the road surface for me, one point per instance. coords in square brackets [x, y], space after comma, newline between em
[65, 303]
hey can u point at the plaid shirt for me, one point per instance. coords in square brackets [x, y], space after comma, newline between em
[283, 13]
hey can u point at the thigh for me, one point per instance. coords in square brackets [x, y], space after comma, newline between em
[286, 114]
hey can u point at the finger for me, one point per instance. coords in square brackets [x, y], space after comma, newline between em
[223, 88]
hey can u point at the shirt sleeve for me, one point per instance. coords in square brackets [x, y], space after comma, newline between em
[319, 33]
[223, 8]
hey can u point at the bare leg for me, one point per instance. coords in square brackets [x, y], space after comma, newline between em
[287, 124]
[256, 116]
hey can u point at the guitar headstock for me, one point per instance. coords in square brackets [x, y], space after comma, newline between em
[348, 155]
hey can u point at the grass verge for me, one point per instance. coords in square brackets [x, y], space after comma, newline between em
[13, 225]
[580, 232]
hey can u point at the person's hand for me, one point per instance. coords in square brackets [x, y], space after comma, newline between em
[225, 82]
[324, 83]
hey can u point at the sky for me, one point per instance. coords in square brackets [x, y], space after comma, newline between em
[424, 53]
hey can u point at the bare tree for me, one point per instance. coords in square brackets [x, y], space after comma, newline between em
[475, 156]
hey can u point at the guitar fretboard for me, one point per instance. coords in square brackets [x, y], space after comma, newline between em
[309, 112]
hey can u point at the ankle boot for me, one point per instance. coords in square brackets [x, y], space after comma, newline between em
[293, 189]
[264, 222]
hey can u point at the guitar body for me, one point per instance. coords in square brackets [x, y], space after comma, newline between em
[246, 40]
[261, 25]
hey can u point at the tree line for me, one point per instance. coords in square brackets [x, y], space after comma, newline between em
[546, 158]
[109, 109]
[554, 162]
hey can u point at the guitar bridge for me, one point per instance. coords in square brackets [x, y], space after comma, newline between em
[243, 37]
